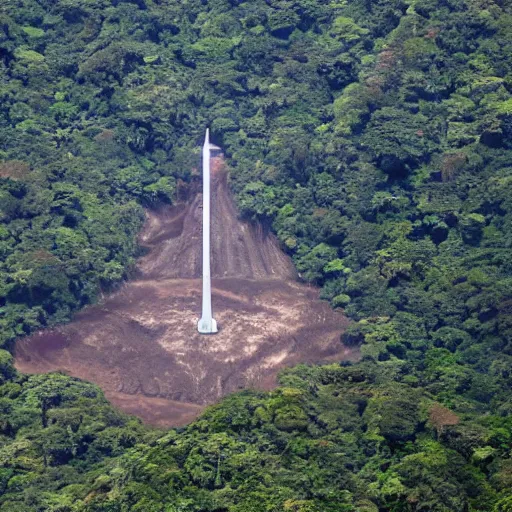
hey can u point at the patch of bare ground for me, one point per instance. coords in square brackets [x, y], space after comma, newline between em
[141, 346]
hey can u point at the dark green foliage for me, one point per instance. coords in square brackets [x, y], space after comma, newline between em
[397, 140]
[52, 429]
[329, 439]
[374, 137]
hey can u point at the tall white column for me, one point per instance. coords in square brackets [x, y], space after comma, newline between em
[207, 324]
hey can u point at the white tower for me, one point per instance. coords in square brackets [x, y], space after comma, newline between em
[207, 324]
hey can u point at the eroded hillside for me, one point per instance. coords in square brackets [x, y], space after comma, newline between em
[141, 345]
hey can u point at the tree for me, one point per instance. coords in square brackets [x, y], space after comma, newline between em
[397, 140]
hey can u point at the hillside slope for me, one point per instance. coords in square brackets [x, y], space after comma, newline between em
[141, 344]
[374, 138]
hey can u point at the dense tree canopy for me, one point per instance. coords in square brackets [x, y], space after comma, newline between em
[374, 137]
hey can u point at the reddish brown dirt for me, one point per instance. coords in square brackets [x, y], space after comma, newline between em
[141, 345]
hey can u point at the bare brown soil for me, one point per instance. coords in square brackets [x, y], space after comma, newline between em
[141, 344]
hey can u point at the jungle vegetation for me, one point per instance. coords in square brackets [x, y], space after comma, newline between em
[375, 138]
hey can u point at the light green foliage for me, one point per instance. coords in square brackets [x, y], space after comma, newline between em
[504, 107]
[336, 266]
[418, 51]
[258, 199]
[63, 109]
[152, 59]
[350, 107]
[29, 56]
[346, 30]
[313, 262]
[341, 300]
[33, 31]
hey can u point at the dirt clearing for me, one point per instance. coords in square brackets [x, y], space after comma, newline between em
[141, 346]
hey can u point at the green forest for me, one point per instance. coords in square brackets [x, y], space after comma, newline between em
[374, 137]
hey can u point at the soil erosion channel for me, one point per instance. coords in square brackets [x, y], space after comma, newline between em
[141, 345]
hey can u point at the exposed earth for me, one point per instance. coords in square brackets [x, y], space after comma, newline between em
[141, 346]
